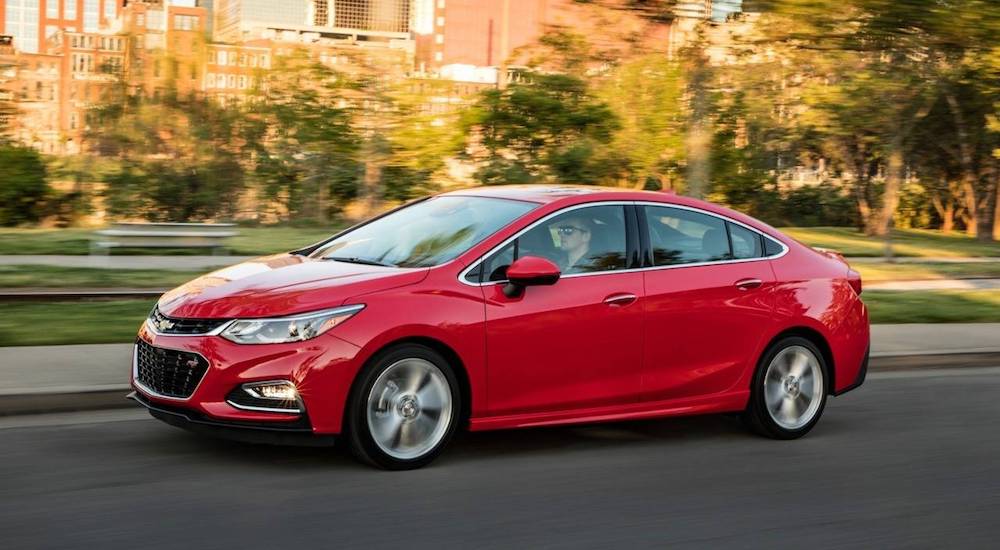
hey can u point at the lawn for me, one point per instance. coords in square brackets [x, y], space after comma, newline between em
[252, 241]
[44, 276]
[905, 242]
[94, 322]
[881, 271]
[36, 324]
[933, 306]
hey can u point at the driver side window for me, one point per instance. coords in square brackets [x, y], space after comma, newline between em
[582, 240]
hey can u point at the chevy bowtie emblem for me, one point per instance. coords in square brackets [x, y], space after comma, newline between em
[164, 324]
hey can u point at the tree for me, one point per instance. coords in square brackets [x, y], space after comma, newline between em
[179, 157]
[301, 142]
[23, 186]
[545, 127]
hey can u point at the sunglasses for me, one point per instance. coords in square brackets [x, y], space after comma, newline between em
[568, 230]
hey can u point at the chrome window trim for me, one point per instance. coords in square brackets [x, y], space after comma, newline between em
[482, 258]
[140, 386]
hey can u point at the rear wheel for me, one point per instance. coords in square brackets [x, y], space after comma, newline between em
[404, 409]
[789, 390]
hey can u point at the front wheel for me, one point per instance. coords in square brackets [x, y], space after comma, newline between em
[404, 409]
[789, 390]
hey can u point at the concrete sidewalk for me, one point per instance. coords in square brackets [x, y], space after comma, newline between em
[53, 378]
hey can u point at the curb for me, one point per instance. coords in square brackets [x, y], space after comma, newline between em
[89, 398]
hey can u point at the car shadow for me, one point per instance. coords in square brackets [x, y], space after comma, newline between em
[467, 446]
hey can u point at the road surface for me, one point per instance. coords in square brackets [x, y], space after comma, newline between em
[911, 459]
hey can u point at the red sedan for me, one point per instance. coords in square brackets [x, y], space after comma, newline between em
[508, 307]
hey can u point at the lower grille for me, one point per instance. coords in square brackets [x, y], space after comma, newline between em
[168, 372]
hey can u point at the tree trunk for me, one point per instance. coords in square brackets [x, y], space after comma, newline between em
[947, 212]
[893, 182]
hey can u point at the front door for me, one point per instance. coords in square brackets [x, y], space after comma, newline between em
[578, 343]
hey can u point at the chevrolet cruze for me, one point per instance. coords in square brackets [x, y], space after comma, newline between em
[508, 307]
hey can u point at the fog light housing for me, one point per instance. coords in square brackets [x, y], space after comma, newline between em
[279, 396]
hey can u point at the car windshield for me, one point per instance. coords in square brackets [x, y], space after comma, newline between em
[425, 234]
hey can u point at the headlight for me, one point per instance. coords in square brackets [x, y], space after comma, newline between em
[294, 328]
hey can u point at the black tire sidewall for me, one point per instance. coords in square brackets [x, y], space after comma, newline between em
[757, 414]
[362, 444]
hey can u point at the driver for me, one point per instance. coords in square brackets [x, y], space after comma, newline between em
[574, 241]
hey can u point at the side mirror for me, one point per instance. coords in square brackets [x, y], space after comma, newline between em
[529, 271]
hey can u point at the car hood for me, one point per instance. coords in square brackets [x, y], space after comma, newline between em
[282, 284]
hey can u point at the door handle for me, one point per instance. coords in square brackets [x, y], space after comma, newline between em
[747, 284]
[620, 299]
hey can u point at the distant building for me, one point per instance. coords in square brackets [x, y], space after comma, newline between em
[370, 20]
[32, 22]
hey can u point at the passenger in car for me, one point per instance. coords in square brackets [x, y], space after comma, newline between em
[574, 241]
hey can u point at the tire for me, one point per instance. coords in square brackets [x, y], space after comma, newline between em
[789, 389]
[403, 408]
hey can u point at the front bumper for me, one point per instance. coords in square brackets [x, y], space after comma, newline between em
[298, 432]
[322, 370]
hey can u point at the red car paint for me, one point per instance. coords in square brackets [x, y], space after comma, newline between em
[637, 343]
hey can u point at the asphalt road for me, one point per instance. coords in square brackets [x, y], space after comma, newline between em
[909, 460]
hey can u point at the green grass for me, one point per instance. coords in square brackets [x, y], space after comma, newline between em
[906, 242]
[95, 322]
[251, 241]
[873, 272]
[37, 324]
[43, 276]
[933, 306]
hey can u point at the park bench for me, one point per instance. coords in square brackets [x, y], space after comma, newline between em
[163, 235]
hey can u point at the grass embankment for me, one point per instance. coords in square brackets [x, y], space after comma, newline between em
[905, 242]
[251, 241]
[44, 276]
[873, 272]
[27, 324]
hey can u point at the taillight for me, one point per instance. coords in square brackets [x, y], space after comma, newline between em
[854, 278]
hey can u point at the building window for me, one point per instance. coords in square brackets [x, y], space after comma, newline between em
[69, 9]
[222, 58]
[91, 15]
[232, 81]
[185, 22]
[140, 20]
[52, 10]
[243, 82]
[440, 21]
[439, 39]
[321, 13]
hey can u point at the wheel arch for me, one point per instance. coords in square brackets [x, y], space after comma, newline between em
[449, 354]
[820, 342]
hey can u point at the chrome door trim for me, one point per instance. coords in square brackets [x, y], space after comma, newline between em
[481, 258]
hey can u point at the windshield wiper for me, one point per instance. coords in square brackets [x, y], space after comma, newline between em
[356, 260]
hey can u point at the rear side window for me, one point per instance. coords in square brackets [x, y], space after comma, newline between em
[583, 240]
[771, 247]
[746, 243]
[679, 236]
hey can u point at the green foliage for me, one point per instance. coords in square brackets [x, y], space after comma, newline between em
[176, 157]
[301, 140]
[23, 187]
[548, 127]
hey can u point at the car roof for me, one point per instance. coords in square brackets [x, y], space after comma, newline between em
[575, 194]
[552, 193]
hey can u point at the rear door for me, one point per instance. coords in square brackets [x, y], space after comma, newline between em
[708, 302]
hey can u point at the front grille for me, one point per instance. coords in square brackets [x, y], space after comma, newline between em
[174, 325]
[168, 372]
